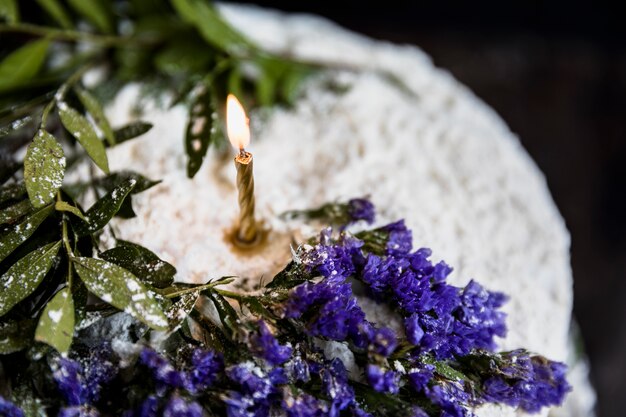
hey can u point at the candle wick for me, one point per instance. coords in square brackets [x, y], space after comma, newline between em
[242, 152]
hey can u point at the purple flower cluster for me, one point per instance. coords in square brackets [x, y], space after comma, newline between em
[81, 386]
[529, 382]
[264, 345]
[361, 209]
[8, 409]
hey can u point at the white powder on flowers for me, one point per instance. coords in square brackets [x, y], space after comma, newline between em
[429, 152]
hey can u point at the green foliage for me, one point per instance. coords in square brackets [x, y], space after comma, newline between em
[47, 239]
[120, 288]
[44, 169]
[26, 275]
[22, 64]
[56, 324]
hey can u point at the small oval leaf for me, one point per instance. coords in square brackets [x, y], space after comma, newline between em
[118, 287]
[44, 169]
[57, 12]
[65, 206]
[12, 191]
[200, 129]
[95, 110]
[13, 213]
[56, 324]
[25, 275]
[95, 12]
[22, 64]
[141, 262]
[104, 209]
[131, 131]
[82, 130]
[18, 234]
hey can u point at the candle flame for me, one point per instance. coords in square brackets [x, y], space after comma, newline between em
[237, 123]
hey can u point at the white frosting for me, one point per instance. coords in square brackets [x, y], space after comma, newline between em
[407, 134]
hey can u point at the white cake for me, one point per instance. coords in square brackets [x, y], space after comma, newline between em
[420, 144]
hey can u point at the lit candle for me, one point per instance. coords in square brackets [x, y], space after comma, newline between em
[237, 127]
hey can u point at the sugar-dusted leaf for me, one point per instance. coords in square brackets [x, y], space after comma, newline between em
[16, 335]
[179, 311]
[9, 11]
[57, 12]
[44, 169]
[95, 12]
[95, 110]
[115, 179]
[211, 26]
[120, 288]
[142, 262]
[104, 209]
[65, 206]
[22, 64]
[25, 275]
[12, 191]
[82, 130]
[200, 133]
[13, 213]
[228, 315]
[56, 324]
[18, 234]
[131, 131]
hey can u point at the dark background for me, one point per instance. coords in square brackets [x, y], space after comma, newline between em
[556, 72]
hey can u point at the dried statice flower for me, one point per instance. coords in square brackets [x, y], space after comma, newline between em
[264, 345]
[382, 380]
[78, 411]
[178, 407]
[528, 382]
[70, 381]
[163, 371]
[361, 209]
[8, 409]
[206, 368]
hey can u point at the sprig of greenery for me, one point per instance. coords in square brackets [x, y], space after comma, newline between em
[47, 238]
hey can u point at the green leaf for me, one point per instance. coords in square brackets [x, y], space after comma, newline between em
[15, 335]
[22, 64]
[131, 131]
[13, 213]
[25, 275]
[12, 191]
[82, 130]
[201, 130]
[142, 262]
[95, 110]
[56, 324]
[183, 57]
[120, 288]
[95, 12]
[228, 315]
[44, 169]
[104, 209]
[115, 179]
[211, 26]
[18, 234]
[179, 311]
[57, 12]
[65, 206]
[9, 11]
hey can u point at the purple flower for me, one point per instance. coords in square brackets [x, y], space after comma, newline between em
[163, 371]
[304, 405]
[531, 387]
[256, 390]
[69, 379]
[400, 239]
[8, 409]
[335, 385]
[78, 411]
[206, 368]
[177, 407]
[414, 332]
[382, 380]
[451, 398]
[265, 345]
[149, 408]
[361, 209]
[382, 341]
[298, 369]
[420, 376]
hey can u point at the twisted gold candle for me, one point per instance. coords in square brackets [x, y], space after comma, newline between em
[237, 126]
